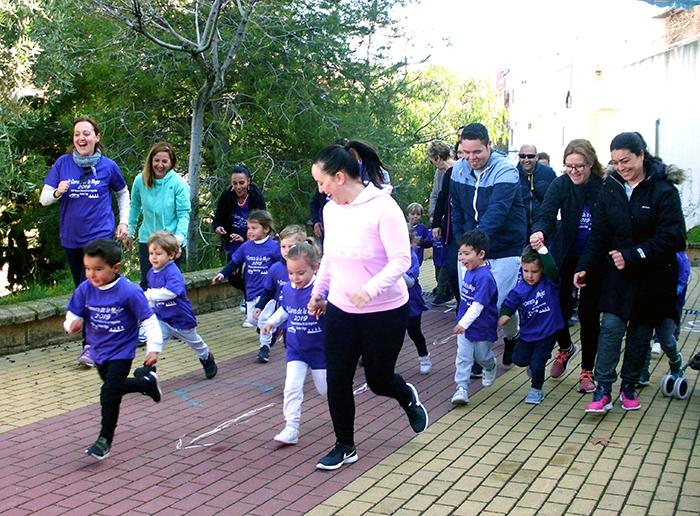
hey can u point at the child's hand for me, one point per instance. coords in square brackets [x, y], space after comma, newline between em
[503, 320]
[322, 304]
[217, 279]
[256, 314]
[265, 330]
[458, 330]
[235, 237]
[359, 298]
[151, 359]
[76, 326]
[316, 306]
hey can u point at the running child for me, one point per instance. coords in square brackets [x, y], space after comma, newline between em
[304, 335]
[536, 297]
[110, 307]
[477, 315]
[278, 276]
[258, 254]
[167, 295]
[417, 306]
[414, 213]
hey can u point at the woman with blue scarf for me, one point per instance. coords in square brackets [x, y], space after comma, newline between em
[83, 180]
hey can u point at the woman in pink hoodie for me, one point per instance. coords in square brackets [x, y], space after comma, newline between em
[366, 253]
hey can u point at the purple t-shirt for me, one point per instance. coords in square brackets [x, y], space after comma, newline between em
[177, 312]
[258, 258]
[86, 208]
[439, 253]
[585, 226]
[304, 332]
[111, 318]
[415, 293]
[480, 286]
[239, 225]
[423, 233]
[538, 304]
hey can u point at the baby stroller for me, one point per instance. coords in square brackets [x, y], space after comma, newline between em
[676, 385]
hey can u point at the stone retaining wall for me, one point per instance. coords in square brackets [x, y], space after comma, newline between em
[37, 324]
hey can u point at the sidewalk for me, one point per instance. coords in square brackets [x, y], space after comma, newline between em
[207, 448]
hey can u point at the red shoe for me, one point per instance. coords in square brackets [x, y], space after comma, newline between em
[585, 381]
[561, 363]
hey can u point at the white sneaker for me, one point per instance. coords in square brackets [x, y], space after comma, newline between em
[246, 324]
[425, 364]
[489, 377]
[243, 307]
[289, 435]
[452, 303]
[535, 396]
[461, 397]
[656, 348]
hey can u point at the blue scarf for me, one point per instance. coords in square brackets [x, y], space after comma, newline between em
[87, 161]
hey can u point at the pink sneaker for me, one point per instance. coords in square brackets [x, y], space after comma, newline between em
[85, 359]
[629, 399]
[602, 402]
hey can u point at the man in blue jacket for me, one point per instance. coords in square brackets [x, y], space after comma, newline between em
[535, 178]
[485, 190]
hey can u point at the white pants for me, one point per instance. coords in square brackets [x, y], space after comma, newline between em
[294, 390]
[505, 272]
[189, 337]
[469, 352]
[265, 314]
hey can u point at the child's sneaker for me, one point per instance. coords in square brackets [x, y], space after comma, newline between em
[85, 359]
[243, 307]
[629, 399]
[210, 367]
[143, 371]
[656, 348]
[535, 396]
[489, 376]
[289, 435]
[676, 366]
[246, 324]
[477, 372]
[452, 303]
[417, 415]
[339, 455]
[437, 301]
[99, 450]
[460, 397]
[264, 354]
[425, 364]
[561, 363]
[585, 381]
[153, 391]
[644, 378]
[602, 402]
[142, 336]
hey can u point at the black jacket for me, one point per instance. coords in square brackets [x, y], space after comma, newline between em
[441, 215]
[227, 203]
[564, 195]
[648, 229]
[533, 188]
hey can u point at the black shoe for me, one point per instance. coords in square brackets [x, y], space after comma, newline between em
[99, 450]
[417, 415]
[437, 301]
[477, 371]
[153, 391]
[142, 372]
[508, 347]
[209, 365]
[264, 355]
[339, 455]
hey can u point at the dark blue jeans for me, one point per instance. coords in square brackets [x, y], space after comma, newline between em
[535, 354]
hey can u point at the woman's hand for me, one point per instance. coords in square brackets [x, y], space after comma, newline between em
[437, 233]
[618, 259]
[537, 240]
[221, 231]
[316, 306]
[122, 232]
[128, 244]
[61, 189]
[359, 298]
[235, 237]
[318, 229]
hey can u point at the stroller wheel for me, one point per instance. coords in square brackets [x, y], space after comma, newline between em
[667, 384]
[680, 388]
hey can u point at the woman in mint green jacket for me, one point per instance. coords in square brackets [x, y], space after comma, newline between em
[163, 198]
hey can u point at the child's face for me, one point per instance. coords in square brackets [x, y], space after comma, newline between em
[532, 273]
[158, 256]
[470, 258]
[414, 218]
[256, 231]
[98, 272]
[300, 272]
[287, 243]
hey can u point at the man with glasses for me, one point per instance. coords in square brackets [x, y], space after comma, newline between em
[535, 178]
[485, 192]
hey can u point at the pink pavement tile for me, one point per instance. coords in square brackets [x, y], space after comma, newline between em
[39, 501]
[87, 509]
[227, 499]
[192, 501]
[305, 504]
[123, 507]
[118, 497]
[150, 493]
[78, 499]
[271, 506]
[158, 503]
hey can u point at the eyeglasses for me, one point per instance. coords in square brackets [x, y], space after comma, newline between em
[527, 156]
[579, 167]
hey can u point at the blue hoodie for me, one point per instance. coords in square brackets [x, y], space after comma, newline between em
[490, 201]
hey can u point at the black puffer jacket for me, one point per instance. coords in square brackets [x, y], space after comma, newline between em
[648, 229]
[570, 198]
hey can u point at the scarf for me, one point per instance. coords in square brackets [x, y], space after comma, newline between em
[87, 161]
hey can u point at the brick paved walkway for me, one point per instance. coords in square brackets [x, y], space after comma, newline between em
[208, 448]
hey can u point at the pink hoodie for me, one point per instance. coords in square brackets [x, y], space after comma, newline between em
[366, 247]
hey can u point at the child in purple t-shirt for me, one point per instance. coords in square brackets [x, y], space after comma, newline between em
[417, 306]
[536, 297]
[477, 315]
[258, 253]
[305, 348]
[167, 295]
[414, 212]
[110, 307]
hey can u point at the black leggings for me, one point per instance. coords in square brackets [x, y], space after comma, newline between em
[378, 338]
[416, 334]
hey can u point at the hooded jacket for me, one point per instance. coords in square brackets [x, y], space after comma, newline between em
[489, 201]
[648, 229]
[533, 188]
[165, 206]
[366, 247]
